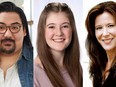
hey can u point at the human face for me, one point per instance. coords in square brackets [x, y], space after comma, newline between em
[58, 32]
[11, 42]
[105, 31]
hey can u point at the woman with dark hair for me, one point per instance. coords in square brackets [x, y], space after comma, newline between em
[58, 61]
[101, 44]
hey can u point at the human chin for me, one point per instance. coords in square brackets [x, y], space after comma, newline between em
[8, 48]
[109, 47]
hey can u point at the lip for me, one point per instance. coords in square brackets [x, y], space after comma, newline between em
[8, 43]
[107, 41]
[59, 40]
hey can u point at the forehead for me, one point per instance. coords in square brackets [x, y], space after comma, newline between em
[9, 17]
[105, 17]
[57, 17]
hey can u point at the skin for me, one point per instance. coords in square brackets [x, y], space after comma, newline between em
[105, 31]
[58, 34]
[8, 59]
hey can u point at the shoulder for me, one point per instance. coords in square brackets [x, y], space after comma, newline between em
[40, 77]
[38, 68]
[37, 62]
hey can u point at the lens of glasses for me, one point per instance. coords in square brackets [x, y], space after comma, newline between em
[2, 29]
[13, 28]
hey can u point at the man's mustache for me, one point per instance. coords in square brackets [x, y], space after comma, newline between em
[7, 39]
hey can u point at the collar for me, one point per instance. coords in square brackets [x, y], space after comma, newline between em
[27, 52]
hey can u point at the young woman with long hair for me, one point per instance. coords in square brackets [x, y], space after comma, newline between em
[58, 61]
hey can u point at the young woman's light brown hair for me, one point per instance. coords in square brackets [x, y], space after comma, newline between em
[72, 53]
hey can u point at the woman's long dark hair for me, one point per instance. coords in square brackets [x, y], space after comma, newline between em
[72, 53]
[97, 54]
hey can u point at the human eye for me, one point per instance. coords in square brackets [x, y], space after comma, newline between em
[15, 27]
[51, 27]
[98, 28]
[65, 26]
[2, 27]
[111, 25]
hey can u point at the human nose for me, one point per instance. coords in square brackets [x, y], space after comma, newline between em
[8, 33]
[105, 32]
[59, 32]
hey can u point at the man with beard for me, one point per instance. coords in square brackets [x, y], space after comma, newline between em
[16, 53]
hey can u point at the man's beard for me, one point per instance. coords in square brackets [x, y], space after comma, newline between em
[7, 51]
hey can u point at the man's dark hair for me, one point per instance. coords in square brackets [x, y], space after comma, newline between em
[11, 7]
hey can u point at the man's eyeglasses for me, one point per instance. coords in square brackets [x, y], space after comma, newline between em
[14, 28]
